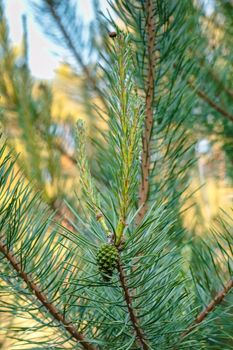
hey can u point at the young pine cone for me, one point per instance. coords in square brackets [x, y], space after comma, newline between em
[107, 257]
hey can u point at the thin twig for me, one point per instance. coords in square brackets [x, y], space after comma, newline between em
[54, 312]
[210, 102]
[148, 124]
[212, 73]
[228, 91]
[75, 53]
[133, 317]
[209, 308]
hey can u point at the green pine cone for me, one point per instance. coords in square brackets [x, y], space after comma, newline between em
[107, 257]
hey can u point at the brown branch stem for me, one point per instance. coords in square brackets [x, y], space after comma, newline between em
[54, 312]
[212, 73]
[214, 76]
[133, 317]
[210, 307]
[148, 124]
[210, 102]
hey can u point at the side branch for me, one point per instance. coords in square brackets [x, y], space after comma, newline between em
[210, 307]
[128, 299]
[54, 312]
[76, 55]
[212, 74]
[211, 103]
[228, 91]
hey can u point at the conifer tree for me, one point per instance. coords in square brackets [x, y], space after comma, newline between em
[126, 275]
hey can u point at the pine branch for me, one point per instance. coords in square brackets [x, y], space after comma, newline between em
[210, 102]
[210, 70]
[54, 312]
[210, 307]
[144, 186]
[215, 77]
[133, 317]
[71, 45]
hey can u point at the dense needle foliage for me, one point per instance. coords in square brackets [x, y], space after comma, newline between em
[109, 264]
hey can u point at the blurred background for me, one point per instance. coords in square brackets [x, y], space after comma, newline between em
[50, 60]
